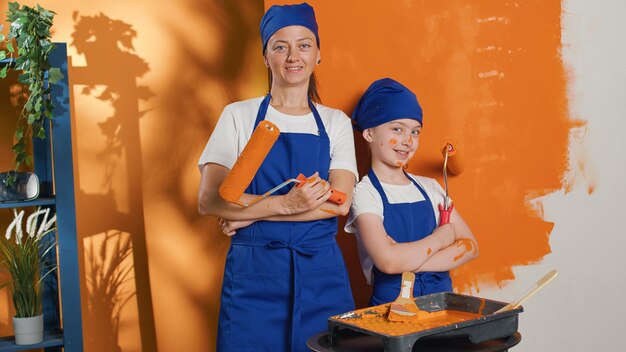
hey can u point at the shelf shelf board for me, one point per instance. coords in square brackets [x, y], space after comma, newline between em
[29, 203]
[50, 339]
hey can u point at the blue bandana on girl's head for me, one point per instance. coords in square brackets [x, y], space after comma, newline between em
[278, 17]
[385, 100]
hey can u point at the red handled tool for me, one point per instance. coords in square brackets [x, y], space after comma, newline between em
[446, 208]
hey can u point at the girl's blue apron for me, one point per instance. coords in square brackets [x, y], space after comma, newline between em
[407, 222]
[283, 280]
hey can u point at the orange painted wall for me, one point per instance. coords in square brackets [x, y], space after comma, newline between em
[149, 83]
[490, 79]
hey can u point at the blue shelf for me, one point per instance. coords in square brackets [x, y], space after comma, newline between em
[50, 339]
[53, 165]
[29, 203]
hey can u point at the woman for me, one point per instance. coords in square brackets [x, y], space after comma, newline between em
[394, 213]
[284, 273]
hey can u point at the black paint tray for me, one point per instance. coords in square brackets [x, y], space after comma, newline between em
[487, 327]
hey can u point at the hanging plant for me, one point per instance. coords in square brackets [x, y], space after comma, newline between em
[28, 46]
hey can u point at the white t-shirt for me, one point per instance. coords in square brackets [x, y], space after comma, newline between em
[236, 124]
[366, 199]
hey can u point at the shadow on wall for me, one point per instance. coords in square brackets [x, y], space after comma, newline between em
[108, 257]
[110, 205]
[223, 67]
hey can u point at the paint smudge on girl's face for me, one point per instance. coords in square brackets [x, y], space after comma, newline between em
[430, 250]
[393, 141]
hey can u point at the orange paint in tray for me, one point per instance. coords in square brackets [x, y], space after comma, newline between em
[374, 319]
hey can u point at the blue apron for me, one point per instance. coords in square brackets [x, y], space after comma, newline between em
[407, 222]
[283, 280]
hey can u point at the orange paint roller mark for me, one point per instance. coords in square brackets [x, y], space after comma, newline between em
[249, 161]
[483, 302]
[469, 244]
[329, 211]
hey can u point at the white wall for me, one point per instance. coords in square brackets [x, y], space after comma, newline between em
[584, 308]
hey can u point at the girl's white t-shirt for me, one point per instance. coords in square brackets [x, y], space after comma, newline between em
[366, 199]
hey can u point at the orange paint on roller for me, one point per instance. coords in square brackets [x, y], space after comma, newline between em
[456, 164]
[249, 161]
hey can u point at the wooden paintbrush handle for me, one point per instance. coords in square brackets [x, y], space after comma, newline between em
[538, 285]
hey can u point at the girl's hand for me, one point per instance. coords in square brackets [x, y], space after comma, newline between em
[306, 196]
[230, 227]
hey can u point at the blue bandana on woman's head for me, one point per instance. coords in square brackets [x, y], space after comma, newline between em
[386, 100]
[278, 17]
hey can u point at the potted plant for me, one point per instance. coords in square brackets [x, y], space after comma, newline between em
[30, 32]
[23, 253]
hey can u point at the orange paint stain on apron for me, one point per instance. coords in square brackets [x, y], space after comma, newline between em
[474, 68]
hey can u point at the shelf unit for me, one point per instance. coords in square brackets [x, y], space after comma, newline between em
[53, 165]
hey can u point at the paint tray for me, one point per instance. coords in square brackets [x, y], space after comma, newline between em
[401, 337]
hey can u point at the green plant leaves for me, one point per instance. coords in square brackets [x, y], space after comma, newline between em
[54, 75]
[30, 31]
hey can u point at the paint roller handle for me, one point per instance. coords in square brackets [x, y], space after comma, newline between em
[444, 214]
[336, 196]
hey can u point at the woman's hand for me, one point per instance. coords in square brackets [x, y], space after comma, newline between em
[306, 196]
[230, 227]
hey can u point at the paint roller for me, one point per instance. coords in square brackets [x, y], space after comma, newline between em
[248, 163]
[453, 163]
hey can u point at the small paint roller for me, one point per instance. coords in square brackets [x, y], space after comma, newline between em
[248, 163]
[453, 163]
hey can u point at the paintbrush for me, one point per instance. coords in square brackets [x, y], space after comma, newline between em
[538, 285]
[404, 308]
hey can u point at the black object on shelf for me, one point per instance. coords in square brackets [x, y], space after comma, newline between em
[25, 186]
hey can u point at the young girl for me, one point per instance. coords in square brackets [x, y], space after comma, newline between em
[395, 214]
